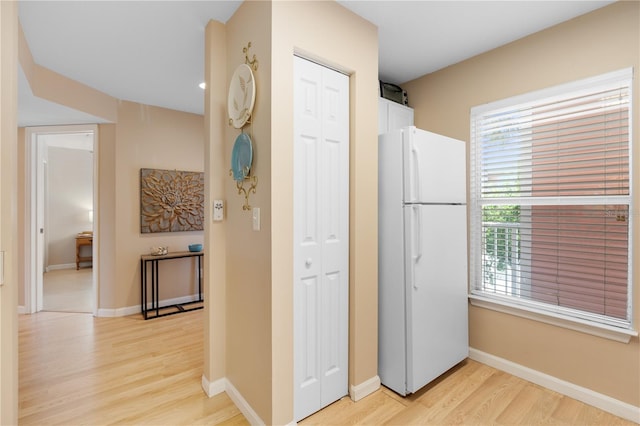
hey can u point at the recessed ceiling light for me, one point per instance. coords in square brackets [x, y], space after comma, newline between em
[202, 85]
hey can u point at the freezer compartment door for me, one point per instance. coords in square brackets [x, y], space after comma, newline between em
[435, 168]
[437, 311]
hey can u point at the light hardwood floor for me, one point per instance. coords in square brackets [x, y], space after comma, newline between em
[76, 369]
[68, 290]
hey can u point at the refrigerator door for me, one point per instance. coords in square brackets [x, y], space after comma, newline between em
[435, 168]
[436, 271]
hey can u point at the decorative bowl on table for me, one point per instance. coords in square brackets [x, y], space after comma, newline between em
[195, 247]
[159, 251]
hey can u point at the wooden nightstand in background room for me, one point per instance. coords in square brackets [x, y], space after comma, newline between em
[84, 238]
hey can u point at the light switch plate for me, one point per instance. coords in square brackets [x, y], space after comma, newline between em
[255, 216]
[218, 210]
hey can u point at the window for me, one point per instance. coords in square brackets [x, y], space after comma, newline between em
[551, 201]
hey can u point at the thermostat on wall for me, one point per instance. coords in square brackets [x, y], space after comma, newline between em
[218, 210]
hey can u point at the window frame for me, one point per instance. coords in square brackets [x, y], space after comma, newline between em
[532, 309]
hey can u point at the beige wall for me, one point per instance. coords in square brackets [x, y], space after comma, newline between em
[216, 176]
[8, 212]
[605, 40]
[334, 36]
[142, 137]
[146, 137]
[106, 215]
[259, 269]
[248, 252]
[69, 199]
[259, 308]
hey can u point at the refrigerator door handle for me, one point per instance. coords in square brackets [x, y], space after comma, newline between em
[416, 173]
[417, 235]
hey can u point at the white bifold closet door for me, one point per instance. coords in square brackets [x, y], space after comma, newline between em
[321, 236]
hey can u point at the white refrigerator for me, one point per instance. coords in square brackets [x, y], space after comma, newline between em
[422, 298]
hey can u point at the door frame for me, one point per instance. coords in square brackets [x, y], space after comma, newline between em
[34, 211]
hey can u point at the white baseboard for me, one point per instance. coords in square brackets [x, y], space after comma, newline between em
[213, 388]
[251, 416]
[63, 266]
[357, 392]
[131, 310]
[224, 385]
[118, 312]
[588, 396]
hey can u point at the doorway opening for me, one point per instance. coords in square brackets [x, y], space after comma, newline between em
[62, 263]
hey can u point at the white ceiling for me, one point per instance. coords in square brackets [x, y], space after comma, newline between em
[152, 52]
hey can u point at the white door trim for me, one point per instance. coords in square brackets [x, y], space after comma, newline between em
[32, 247]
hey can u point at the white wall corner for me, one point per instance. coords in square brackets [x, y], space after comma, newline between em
[251, 416]
[357, 392]
[215, 387]
[588, 396]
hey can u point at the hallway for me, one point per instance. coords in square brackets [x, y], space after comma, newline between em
[77, 369]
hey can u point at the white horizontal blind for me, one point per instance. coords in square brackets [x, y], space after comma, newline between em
[551, 199]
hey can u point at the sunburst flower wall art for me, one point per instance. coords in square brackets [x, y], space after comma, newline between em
[171, 201]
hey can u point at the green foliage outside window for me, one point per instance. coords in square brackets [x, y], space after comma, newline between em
[501, 243]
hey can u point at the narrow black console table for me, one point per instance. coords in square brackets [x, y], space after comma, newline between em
[155, 309]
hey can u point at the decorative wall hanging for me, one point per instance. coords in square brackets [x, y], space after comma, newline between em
[241, 159]
[253, 63]
[242, 91]
[240, 103]
[242, 96]
[171, 201]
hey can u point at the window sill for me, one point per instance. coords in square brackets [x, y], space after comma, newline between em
[600, 330]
